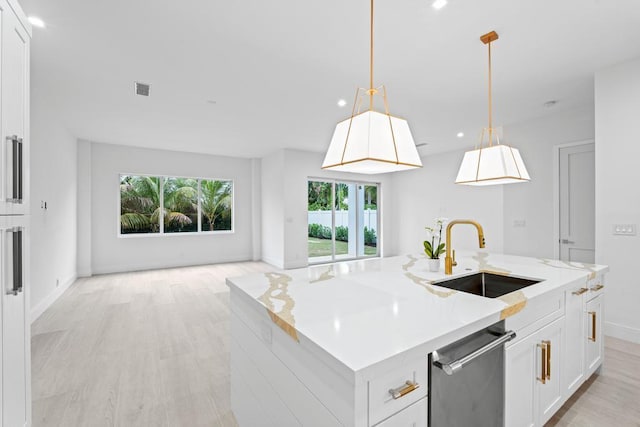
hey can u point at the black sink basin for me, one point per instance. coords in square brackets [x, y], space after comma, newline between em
[487, 284]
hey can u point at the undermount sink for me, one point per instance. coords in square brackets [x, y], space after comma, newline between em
[487, 285]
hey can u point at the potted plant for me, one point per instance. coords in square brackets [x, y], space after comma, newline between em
[433, 246]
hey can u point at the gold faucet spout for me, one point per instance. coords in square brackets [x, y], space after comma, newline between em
[448, 260]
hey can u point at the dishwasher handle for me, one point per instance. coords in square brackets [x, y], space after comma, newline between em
[453, 367]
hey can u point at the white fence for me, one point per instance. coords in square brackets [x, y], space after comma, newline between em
[342, 218]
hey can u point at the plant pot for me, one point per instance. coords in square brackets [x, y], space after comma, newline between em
[434, 264]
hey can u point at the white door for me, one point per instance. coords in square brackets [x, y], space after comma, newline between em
[577, 203]
[15, 346]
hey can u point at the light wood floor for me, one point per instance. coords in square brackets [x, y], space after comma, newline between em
[152, 349]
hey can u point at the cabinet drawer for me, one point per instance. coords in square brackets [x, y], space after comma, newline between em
[596, 287]
[536, 314]
[413, 416]
[382, 404]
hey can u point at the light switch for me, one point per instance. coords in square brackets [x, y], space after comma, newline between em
[624, 229]
[519, 223]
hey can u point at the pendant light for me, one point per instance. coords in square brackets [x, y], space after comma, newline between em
[372, 142]
[495, 163]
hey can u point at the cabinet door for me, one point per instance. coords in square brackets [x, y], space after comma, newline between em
[573, 358]
[522, 367]
[15, 343]
[550, 393]
[14, 152]
[414, 415]
[595, 344]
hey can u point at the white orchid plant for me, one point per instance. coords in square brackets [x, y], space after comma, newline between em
[431, 248]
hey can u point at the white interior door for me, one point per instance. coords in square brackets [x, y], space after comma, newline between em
[577, 203]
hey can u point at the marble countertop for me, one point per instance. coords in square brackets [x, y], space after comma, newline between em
[364, 312]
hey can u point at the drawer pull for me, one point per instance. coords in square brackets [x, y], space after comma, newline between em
[580, 291]
[597, 287]
[593, 326]
[407, 388]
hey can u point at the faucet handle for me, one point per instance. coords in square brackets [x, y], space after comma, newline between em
[454, 263]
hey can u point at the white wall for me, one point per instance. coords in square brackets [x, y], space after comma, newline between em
[419, 196]
[533, 202]
[110, 253]
[53, 179]
[617, 196]
[83, 264]
[273, 189]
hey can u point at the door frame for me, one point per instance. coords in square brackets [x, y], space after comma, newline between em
[556, 191]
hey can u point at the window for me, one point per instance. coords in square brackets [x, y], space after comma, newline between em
[189, 205]
[343, 220]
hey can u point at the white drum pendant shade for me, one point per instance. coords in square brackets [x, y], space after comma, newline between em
[498, 164]
[372, 142]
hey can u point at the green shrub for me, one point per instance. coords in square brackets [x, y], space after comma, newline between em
[370, 238]
[342, 233]
[319, 231]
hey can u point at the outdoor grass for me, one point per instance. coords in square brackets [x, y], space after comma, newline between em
[322, 247]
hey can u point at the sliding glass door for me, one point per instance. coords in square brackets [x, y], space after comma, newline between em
[343, 220]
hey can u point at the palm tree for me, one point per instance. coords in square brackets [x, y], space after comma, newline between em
[215, 200]
[140, 203]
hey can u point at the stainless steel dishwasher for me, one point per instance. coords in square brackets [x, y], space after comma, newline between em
[466, 380]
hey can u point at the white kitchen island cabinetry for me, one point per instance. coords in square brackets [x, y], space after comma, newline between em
[348, 344]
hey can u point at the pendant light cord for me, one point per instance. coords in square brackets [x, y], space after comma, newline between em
[371, 89]
[490, 103]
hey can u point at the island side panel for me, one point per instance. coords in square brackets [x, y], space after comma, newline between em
[311, 391]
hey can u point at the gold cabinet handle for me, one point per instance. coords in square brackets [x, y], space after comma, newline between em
[548, 343]
[593, 326]
[580, 291]
[597, 287]
[543, 369]
[404, 389]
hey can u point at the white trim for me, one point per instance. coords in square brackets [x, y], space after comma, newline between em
[125, 268]
[278, 263]
[43, 305]
[556, 191]
[622, 332]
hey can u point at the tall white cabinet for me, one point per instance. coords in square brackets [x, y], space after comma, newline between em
[15, 336]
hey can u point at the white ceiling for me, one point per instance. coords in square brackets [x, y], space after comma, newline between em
[276, 69]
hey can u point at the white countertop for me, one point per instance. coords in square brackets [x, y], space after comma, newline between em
[364, 312]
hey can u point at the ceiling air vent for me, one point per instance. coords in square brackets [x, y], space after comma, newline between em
[142, 89]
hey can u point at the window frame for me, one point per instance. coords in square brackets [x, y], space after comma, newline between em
[161, 232]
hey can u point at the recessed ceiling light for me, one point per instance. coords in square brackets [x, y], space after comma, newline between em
[439, 4]
[342, 103]
[460, 134]
[36, 22]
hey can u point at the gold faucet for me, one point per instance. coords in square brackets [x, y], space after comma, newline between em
[450, 261]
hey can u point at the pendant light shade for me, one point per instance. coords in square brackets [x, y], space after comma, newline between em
[496, 163]
[372, 142]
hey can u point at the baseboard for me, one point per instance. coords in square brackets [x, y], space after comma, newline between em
[622, 332]
[126, 268]
[42, 306]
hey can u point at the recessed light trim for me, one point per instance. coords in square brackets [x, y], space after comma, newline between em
[36, 22]
[439, 4]
[460, 134]
[342, 103]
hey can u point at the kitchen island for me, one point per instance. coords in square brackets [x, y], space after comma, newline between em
[324, 345]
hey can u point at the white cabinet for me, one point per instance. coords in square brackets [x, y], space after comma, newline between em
[533, 377]
[594, 338]
[413, 416]
[14, 78]
[16, 400]
[15, 354]
[573, 371]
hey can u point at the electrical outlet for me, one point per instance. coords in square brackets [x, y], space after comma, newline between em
[624, 229]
